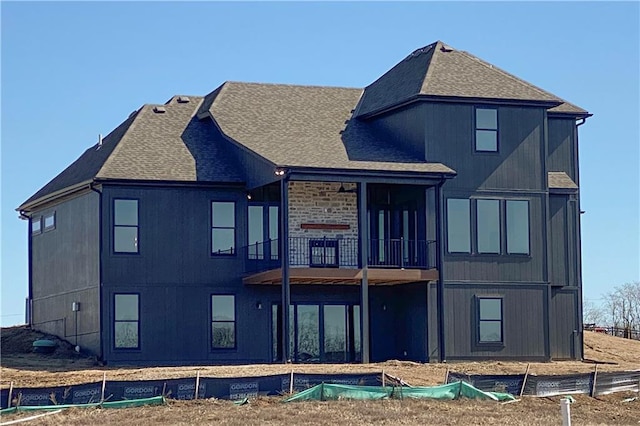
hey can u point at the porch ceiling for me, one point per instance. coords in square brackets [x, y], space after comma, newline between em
[338, 276]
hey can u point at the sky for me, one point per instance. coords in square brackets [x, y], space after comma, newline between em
[73, 70]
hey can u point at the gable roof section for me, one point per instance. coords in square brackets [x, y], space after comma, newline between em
[307, 127]
[438, 70]
[158, 146]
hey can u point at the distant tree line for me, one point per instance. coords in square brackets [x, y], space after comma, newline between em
[619, 311]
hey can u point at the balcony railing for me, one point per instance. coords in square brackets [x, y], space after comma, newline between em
[341, 253]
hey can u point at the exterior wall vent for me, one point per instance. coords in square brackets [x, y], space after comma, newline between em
[183, 99]
[159, 110]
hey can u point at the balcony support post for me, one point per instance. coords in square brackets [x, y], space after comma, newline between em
[364, 261]
[284, 256]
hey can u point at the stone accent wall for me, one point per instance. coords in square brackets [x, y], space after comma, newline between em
[321, 203]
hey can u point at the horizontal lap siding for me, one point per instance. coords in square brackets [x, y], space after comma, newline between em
[523, 321]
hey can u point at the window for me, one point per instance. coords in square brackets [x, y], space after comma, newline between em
[223, 232]
[127, 321]
[490, 320]
[36, 225]
[486, 129]
[517, 227]
[49, 221]
[458, 226]
[125, 226]
[223, 322]
[263, 232]
[488, 222]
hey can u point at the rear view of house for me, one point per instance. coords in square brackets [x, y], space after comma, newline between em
[433, 215]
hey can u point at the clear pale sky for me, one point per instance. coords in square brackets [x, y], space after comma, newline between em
[73, 70]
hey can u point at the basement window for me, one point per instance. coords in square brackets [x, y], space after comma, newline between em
[223, 322]
[126, 321]
[490, 320]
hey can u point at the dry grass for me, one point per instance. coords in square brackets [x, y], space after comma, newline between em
[27, 369]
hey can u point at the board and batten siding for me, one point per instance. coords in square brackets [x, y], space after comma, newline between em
[564, 337]
[524, 316]
[65, 269]
[175, 275]
[561, 155]
[563, 254]
[449, 139]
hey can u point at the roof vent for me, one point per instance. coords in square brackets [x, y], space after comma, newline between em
[159, 110]
[446, 48]
[183, 99]
[99, 141]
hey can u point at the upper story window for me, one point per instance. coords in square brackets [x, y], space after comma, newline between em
[517, 227]
[36, 225]
[223, 227]
[458, 226]
[49, 221]
[488, 223]
[125, 226]
[486, 129]
[263, 232]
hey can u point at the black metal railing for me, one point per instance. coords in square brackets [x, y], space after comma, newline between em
[327, 252]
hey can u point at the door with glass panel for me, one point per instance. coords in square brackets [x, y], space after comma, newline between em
[319, 333]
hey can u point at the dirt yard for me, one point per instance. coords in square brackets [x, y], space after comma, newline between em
[65, 367]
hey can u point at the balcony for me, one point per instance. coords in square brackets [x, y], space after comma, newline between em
[337, 261]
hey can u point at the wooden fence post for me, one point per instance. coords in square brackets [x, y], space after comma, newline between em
[593, 385]
[104, 385]
[524, 381]
[291, 383]
[10, 392]
[197, 384]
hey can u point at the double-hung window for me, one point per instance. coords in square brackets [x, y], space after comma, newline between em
[126, 321]
[125, 226]
[223, 321]
[490, 320]
[486, 120]
[223, 228]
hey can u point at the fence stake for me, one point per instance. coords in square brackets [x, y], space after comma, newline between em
[593, 385]
[383, 381]
[291, 383]
[104, 385]
[565, 411]
[446, 376]
[197, 384]
[10, 392]
[524, 382]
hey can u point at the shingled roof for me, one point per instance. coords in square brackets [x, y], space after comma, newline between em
[438, 70]
[157, 143]
[560, 180]
[306, 126]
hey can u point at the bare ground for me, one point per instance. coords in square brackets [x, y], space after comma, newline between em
[65, 367]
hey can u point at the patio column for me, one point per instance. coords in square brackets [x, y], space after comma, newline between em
[364, 261]
[284, 259]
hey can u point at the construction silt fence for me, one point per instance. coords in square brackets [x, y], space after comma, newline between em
[594, 383]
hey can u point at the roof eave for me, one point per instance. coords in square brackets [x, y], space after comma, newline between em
[457, 99]
[343, 172]
[30, 205]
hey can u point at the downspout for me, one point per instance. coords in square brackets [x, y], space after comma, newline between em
[578, 209]
[547, 273]
[29, 303]
[100, 255]
[439, 266]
